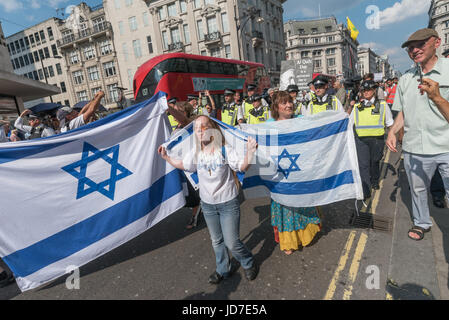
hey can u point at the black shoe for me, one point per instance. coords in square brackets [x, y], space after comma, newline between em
[375, 186]
[439, 203]
[6, 279]
[252, 272]
[215, 278]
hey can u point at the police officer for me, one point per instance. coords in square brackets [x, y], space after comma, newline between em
[193, 100]
[229, 109]
[371, 117]
[322, 101]
[258, 113]
[247, 104]
[172, 103]
[293, 90]
[35, 129]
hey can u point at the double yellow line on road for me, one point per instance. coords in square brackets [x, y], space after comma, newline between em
[361, 245]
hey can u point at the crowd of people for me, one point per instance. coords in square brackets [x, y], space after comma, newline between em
[380, 110]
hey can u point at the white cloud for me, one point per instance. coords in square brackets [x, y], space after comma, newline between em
[35, 4]
[11, 5]
[56, 3]
[403, 10]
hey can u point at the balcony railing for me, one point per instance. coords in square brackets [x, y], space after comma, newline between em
[85, 33]
[176, 46]
[257, 34]
[212, 37]
[257, 38]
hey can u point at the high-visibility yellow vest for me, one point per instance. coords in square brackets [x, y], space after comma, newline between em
[317, 107]
[246, 107]
[229, 114]
[173, 122]
[258, 117]
[297, 107]
[370, 121]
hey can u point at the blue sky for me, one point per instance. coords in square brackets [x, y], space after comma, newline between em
[398, 19]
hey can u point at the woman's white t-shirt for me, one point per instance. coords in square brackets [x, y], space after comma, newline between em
[215, 177]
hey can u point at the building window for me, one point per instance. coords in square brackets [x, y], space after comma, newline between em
[146, 20]
[36, 56]
[183, 6]
[42, 34]
[78, 77]
[99, 24]
[304, 54]
[331, 62]
[109, 68]
[132, 23]
[317, 63]
[162, 14]
[137, 48]
[331, 39]
[150, 45]
[31, 40]
[30, 56]
[51, 71]
[89, 52]
[186, 33]
[175, 35]
[328, 29]
[128, 3]
[58, 68]
[113, 92]
[317, 53]
[25, 58]
[228, 51]
[165, 40]
[212, 25]
[22, 62]
[54, 50]
[82, 95]
[41, 74]
[121, 28]
[105, 47]
[314, 30]
[93, 73]
[47, 53]
[199, 25]
[224, 22]
[197, 4]
[130, 78]
[215, 52]
[209, 2]
[330, 51]
[74, 57]
[316, 40]
[172, 10]
[50, 33]
[125, 51]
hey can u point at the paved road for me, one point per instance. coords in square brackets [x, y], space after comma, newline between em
[344, 261]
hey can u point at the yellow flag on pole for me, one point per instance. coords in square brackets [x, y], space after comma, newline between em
[353, 29]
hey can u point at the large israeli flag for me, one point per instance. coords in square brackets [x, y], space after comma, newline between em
[301, 162]
[70, 198]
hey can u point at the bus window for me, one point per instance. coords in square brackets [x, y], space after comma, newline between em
[242, 69]
[173, 65]
[229, 69]
[215, 67]
[149, 85]
[198, 66]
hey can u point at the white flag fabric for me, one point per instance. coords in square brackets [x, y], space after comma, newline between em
[301, 162]
[70, 198]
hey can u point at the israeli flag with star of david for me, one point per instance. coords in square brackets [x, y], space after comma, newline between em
[301, 162]
[69, 198]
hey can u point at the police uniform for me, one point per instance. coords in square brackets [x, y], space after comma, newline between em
[258, 115]
[33, 132]
[324, 103]
[370, 120]
[247, 104]
[297, 105]
[229, 110]
[173, 123]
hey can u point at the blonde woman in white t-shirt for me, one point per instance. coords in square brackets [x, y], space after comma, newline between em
[216, 163]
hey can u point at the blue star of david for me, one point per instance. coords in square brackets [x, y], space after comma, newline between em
[107, 187]
[293, 165]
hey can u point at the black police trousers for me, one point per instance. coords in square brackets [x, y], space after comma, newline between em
[369, 153]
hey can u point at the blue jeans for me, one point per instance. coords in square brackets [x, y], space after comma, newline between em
[223, 222]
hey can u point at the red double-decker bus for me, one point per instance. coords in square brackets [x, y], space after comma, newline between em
[180, 74]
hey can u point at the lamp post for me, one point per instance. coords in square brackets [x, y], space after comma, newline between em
[45, 75]
[252, 13]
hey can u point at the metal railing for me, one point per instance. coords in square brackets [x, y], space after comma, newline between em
[175, 46]
[98, 28]
[212, 37]
[257, 34]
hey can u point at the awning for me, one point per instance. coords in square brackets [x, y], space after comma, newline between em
[19, 86]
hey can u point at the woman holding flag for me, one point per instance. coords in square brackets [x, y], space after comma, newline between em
[293, 227]
[216, 163]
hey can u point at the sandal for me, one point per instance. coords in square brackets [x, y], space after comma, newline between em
[193, 220]
[419, 231]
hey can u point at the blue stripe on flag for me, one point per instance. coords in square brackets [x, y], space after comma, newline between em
[181, 138]
[85, 233]
[12, 154]
[303, 187]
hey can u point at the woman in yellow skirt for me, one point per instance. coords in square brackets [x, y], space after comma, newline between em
[293, 226]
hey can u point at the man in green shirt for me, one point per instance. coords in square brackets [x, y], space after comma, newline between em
[424, 114]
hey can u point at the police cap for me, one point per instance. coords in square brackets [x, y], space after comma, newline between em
[252, 87]
[320, 80]
[229, 92]
[368, 85]
[292, 88]
[191, 97]
[257, 97]
[172, 100]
